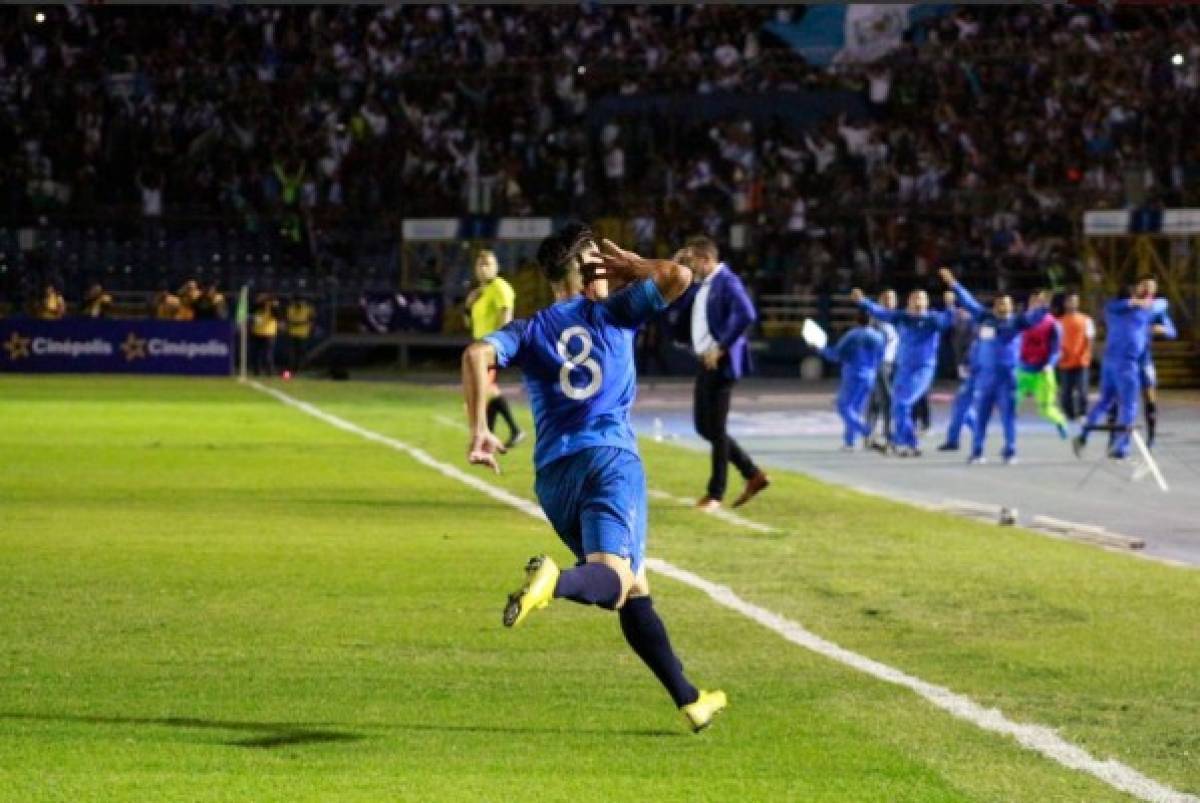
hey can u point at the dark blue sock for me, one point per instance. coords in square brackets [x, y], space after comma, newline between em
[590, 584]
[647, 634]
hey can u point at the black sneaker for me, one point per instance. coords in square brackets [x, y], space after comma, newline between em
[948, 447]
[516, 438]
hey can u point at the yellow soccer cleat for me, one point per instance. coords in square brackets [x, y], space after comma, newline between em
[701, 713]
[541, 576]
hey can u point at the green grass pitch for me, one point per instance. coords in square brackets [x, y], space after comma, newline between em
[208, 596]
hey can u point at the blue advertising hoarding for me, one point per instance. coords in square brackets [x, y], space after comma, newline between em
[85, 345]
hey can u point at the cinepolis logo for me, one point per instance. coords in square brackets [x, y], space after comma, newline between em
[191, 350]
[17, 346]
[139, 348]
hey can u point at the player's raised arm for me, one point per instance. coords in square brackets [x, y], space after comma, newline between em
[671, 278]
[838, 352]
[484, 446]
[962, 294]
[877, 311]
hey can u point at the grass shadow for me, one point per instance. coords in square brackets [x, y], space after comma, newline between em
[270, 734]
[277, 735]
[657, 733]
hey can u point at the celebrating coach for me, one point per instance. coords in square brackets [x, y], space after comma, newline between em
[714, 317]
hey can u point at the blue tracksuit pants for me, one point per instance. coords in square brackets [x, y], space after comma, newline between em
[963, 412]
[996, 389]
[1120, 385]
[851, 405]
[909, 386]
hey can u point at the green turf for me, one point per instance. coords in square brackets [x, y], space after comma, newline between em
[209, 596]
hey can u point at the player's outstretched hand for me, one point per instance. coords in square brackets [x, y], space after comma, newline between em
[483, 450]
[856, 296]
[1039, 300]
[946, 275]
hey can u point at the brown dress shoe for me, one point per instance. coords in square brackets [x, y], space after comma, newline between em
[707, 504]
[759, 482]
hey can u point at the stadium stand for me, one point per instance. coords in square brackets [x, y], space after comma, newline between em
[285, 145]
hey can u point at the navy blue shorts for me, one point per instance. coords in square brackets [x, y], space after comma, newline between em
[596, 501]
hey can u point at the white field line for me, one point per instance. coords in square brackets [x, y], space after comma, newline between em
[420, 455]
[722, 514]
[1037, 738]
[447, 421]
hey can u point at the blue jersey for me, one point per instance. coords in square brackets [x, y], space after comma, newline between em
[1158, 318]
[997, 341]
[919, 334]
[859, 351]
[1128, 337]
[576, 358]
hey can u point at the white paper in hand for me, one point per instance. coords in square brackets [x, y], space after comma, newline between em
[814, 335]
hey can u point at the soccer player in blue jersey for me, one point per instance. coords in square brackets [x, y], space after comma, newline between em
[576, 358]
[996, 358]
[1162, 325]
[859, 351]
[920, 332]
[1130, 320]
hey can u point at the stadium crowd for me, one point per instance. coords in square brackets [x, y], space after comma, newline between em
[975, 143]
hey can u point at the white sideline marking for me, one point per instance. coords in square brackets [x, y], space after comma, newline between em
[1149, 462]
[1037, 738]
[446, 421]
[720, 513]
[420, 455]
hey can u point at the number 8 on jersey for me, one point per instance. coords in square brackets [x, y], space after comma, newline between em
[581, 360]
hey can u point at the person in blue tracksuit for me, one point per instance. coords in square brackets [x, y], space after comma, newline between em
[998, 343]
[962, 413]
[1161, 324]
[966, 350]
[859, 351]
[1130, 320]
[920, 332]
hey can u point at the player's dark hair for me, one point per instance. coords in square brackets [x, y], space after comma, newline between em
[700, 244]
[557, 251]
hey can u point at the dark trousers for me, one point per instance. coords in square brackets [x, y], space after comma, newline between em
[881, 403]
[297, 346]
[262, 355]
[714, 391]
[1073, 391]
